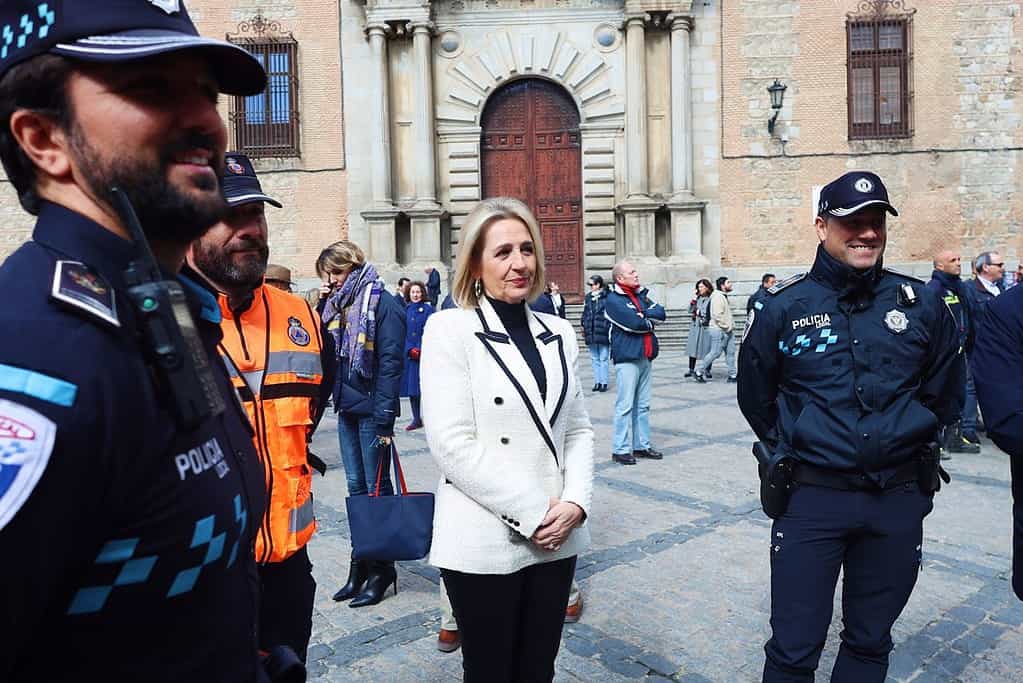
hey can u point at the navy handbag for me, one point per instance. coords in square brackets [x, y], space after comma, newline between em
[398, 527]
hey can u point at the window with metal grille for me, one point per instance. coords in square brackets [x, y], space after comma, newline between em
[880, 88]
[266, 125]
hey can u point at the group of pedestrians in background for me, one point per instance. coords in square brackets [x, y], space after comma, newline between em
[712, 327]
[967, 299]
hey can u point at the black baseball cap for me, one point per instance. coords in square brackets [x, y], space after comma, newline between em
[239, 183]
[852, 192]
[119, 31]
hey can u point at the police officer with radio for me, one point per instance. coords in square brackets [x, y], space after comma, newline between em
[847, 375]
[129, 487]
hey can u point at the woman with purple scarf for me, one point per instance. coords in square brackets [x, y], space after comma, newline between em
[368, 328]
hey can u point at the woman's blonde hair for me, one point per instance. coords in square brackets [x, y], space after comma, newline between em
[339, 257]
[470, 247]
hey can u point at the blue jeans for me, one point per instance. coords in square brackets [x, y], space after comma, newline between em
[600, 354]
[632, 407]
[720, 342]
[360, 455]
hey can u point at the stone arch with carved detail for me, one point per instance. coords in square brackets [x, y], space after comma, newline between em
[511, 54]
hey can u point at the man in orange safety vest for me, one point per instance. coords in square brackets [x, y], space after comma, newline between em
[276, 356]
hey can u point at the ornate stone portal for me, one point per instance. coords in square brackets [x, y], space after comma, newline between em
[419, 76]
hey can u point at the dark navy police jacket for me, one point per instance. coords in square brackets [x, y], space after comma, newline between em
[997, 365]
[129, 552]
[628, 328]
[951, 289]
[836, 371]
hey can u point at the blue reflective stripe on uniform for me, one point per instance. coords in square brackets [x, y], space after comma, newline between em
[210, 310]
[37, 385]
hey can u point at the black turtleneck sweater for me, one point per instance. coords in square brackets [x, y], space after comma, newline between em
[513, 317]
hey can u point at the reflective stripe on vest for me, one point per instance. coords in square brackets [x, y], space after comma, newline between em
[277, 379]
[302, 516]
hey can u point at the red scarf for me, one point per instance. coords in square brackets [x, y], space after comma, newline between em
[648, 338]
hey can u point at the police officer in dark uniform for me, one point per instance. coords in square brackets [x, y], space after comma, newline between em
[127, 501]
[997, 366]
[846, 375]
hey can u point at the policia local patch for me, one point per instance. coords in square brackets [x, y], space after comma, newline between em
[26, 441]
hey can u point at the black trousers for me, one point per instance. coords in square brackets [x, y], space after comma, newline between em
[287, 591]
[874, 538]
[511, 623]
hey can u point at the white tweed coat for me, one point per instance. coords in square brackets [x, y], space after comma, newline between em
[503, 451]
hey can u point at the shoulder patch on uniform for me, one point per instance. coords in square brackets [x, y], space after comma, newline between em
[914, 278]
[78, 286]
[787, 282]
[26, 442]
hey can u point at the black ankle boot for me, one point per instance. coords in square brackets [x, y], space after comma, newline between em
[381, 576]
[358, 572]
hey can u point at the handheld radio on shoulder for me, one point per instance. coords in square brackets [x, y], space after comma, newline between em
[169, 334]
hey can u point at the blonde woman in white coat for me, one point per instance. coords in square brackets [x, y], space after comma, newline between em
[505, 421]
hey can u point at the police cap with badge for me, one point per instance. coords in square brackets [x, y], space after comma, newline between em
[239, 183]
[118, 31]
[853, 192]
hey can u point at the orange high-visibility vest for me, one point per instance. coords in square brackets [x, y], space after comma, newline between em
[272, 352]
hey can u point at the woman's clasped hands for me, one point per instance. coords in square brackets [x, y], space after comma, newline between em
[562, 517]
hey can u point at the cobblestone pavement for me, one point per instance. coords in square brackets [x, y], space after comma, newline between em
[676, 584]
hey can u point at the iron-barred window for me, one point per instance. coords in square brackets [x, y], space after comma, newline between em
[880, 61]
[266, 125]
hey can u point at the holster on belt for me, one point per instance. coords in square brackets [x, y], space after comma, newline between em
[930, 473]
[775, 480]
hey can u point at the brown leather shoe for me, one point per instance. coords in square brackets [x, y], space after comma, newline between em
[573, 612]
[448, 641]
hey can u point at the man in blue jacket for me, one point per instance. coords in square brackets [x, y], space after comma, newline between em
[946, 283]
[996, 368]
[631, 313]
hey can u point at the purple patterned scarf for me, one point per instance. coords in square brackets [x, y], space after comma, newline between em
[355, 335]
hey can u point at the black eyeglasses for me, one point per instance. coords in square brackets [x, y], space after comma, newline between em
[998, 265]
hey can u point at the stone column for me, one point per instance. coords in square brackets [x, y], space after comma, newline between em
[425, 172]
[686, 210]
[635, 107]
[426, 215]
[379, 79]
[638, 208]
[681, 108]
[380, 215]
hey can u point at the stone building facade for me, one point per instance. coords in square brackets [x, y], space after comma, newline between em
[601, 114]
[956, 176]
[633, 128]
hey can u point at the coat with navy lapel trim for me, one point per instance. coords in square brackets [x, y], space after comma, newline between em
[502, 449]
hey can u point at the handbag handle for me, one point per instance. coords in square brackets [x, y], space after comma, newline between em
[397, 468]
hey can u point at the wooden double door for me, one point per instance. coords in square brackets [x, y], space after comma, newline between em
[532, 151]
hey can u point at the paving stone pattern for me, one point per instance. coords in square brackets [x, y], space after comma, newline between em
[676, 585]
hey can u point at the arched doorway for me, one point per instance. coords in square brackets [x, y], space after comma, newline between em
[532, 151]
